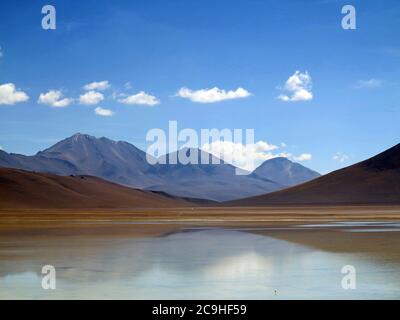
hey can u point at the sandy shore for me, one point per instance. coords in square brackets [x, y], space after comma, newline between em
[284, 215]
[159, 222]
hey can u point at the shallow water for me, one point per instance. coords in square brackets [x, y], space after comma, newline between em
[195, 264]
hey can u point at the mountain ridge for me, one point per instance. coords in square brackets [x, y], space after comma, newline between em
[372, 181]
[125, 164]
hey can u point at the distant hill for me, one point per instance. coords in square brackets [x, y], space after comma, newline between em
[217, 182]
[285, 172]
[376, 180]
[123, 163]
[22, 189]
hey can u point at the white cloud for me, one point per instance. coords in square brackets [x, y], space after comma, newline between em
[212, 95]
[101, 85]
[141, 98]
[368, 84]
[54, 98]
[103, 112]
[128, 85]
[246, 157]
[91, 97]
[299, 87]
[340, 157]
[250, 156]
[303, 157]
[9, 95]
[1, 148]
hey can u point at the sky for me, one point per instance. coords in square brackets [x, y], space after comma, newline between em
[311, 90]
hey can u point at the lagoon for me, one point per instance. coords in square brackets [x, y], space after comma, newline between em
[198, 263]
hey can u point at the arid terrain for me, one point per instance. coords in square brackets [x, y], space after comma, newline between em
[373, 181]
[23, 189]
[171, 219]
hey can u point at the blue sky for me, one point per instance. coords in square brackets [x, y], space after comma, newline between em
[159, 47]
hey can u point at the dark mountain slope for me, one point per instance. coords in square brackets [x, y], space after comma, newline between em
[376, 180]
[22, 189]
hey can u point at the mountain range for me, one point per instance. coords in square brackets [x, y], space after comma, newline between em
[373, 181]
[123, 163]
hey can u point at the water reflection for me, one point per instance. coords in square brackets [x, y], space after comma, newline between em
[198, 264]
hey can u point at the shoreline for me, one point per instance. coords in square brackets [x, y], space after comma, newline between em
[85, 251]
[156, 222]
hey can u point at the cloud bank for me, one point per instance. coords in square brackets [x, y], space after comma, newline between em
[249, 156]
[244, 156]
[212, 95]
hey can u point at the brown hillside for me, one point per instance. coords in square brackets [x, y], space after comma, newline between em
[22, 189]
[376, 180]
